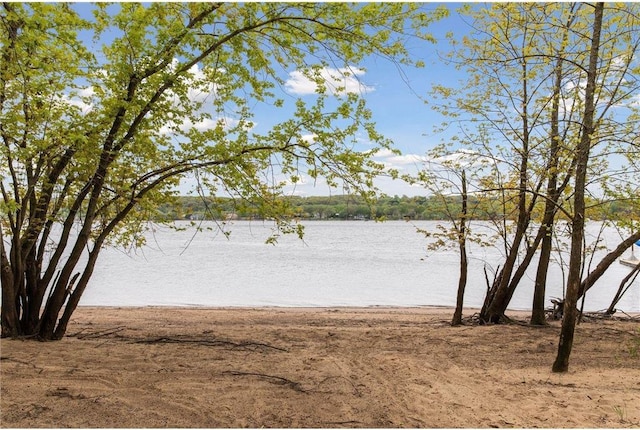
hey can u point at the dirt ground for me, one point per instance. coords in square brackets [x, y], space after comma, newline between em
[278, 367]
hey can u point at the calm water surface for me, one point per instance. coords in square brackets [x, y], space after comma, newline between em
[338, 264]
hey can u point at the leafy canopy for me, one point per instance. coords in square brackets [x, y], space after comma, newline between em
[108, 128]
[102, 117]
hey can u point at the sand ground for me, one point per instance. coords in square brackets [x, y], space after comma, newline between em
[278, 367]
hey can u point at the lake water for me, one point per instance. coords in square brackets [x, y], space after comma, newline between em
[338, 264]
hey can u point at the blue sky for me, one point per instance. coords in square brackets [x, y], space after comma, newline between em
[396, 98]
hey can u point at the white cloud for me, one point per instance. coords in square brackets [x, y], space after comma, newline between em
[200, 87]
[462, 158]
[202, 125]
[309, 138]
[336, 81]
[80, 100]
[399, 162]
[205, 89]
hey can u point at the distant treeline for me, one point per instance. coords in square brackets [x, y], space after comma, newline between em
[352, 207]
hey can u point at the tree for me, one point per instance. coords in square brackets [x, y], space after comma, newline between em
[560, 107]
[525, 88]
[505, 98]
[570, 315]
[95, 137]
[445, 176]
[554, 190]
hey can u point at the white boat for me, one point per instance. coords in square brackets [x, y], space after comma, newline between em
[633, 261]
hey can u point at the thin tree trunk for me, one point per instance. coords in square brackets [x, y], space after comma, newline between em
[537, 307]
[10, 317]
[494, 313]
[76, 294]
[565, 343]
[462, 242]
[11, 278]
[553, 195]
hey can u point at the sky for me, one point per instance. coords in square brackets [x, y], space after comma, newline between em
[398, 102]
[396, 99]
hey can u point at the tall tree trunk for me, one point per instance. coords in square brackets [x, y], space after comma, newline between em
[553, 195]
[10, 317]
[76, 294]
[565, 343]
[11, 276]
[540, 285]
[462, 242]
[500, 298]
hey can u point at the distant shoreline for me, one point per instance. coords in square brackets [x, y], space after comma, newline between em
[428, 309]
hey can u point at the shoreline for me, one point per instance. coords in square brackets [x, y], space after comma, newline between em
[317, 367]
[520, 313]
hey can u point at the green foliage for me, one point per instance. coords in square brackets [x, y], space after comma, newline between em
[101, 118]
[504, 108]
[538, 125]
[172, 91]
[634, 345]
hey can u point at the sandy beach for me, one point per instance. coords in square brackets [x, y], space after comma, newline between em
[281, 367]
